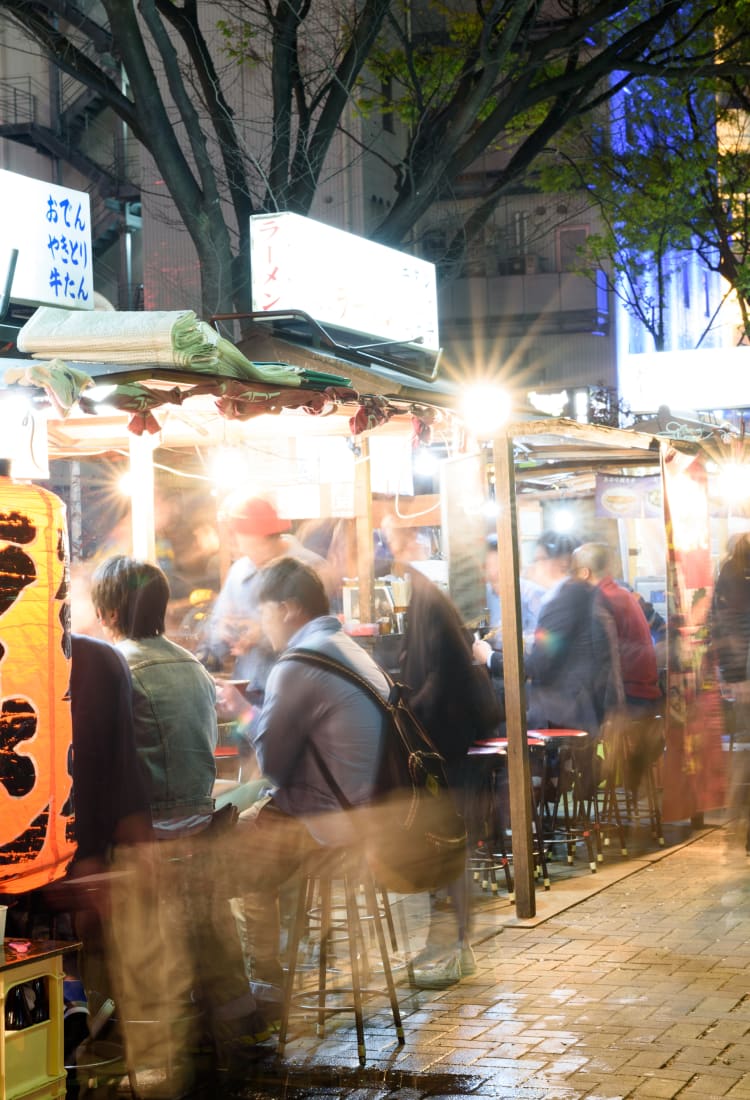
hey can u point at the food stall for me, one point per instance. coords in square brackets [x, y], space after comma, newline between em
[315, 427]
[650, 493]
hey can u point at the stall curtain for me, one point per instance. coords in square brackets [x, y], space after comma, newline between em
[36, 824]
[694, 767]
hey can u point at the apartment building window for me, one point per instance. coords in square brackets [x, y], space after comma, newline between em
[570, 239]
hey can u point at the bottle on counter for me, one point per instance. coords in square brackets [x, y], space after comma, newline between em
[17, 1015]
[39, 1007]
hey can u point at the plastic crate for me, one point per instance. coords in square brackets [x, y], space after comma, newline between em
[32, 1065]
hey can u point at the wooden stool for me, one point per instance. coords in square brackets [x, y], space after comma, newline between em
[344, 871]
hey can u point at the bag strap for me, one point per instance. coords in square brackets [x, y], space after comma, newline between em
[314, 657]
[396, 698]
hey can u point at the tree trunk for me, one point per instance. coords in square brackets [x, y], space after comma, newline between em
[217, 266]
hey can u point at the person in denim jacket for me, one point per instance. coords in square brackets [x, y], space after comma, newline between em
[174, 932]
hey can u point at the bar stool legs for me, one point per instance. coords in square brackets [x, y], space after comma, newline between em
[325, 873]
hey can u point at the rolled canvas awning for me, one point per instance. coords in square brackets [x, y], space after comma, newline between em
[104, 373]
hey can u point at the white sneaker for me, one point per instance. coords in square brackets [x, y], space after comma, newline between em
[440, 974]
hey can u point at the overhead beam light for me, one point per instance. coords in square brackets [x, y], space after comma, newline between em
[733, 482]
[485, 408]
[563, 520]
[426, 463]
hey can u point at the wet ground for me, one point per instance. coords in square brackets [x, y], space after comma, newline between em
[639, 989]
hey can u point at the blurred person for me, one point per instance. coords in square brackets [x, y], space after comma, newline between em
[532, 594]
[551, 565]
[83, 618]
[167, 519]
[173, 928]
[640, 675]
[334, 540]
[569, 669]
[453, 700]
[548, 571]
[110, 800]
[729, 625]
[303, 704]
[730, 615]
[634, 733]
[405, 543]
[233, 629]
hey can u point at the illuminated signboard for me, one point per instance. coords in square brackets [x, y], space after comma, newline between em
[51, 228]
[342, 280]
[701, 378]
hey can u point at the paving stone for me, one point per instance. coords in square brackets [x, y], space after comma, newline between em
[638, 990]
[704, 1088]
[658, 1086]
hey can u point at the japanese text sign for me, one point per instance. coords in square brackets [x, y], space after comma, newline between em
[51, 228]
[342, 280]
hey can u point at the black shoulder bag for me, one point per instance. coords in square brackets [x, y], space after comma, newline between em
[413, 832]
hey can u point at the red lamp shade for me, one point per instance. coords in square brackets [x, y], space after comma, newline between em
[36, 822]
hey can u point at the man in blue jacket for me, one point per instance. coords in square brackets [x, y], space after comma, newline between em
[303, 704]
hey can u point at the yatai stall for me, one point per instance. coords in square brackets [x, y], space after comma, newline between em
[647, 494]
[310, 436]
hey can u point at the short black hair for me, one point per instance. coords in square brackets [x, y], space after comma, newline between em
[557, 545]
[136, 590]
[288, 579]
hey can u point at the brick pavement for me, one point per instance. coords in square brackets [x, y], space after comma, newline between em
[641, 990]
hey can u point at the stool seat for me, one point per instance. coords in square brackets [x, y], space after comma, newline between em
[533, 740]
[558, 734]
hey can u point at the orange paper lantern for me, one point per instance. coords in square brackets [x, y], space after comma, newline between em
[36, 825]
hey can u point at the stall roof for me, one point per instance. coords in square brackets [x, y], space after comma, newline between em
[196, 387]
[193, 386]
[555, 452]
[190, 408]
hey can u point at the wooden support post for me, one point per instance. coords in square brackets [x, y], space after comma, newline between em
[363, 513]
[142, 497]
[519, 778]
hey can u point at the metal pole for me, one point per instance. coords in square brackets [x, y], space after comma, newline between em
[7, 288]
[519, 776]
[363, 512]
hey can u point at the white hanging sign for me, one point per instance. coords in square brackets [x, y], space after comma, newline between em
[51, 228]
[342, 280]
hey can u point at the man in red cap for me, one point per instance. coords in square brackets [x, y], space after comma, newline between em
[260, 535]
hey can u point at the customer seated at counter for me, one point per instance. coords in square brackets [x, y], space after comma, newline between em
[172, 930]
[303, 705]
[532, 594]
[637, 656]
